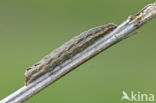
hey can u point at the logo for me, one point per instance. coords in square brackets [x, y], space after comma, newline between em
[137, 96]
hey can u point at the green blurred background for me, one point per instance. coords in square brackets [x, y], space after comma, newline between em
[31, 29]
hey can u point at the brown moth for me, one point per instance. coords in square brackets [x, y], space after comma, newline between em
[66, 51]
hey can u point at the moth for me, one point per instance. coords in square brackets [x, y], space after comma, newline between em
[66, 52]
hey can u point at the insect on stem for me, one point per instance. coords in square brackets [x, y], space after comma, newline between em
[66, 52]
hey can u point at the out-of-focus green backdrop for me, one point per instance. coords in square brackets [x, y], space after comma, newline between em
[31, 29]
